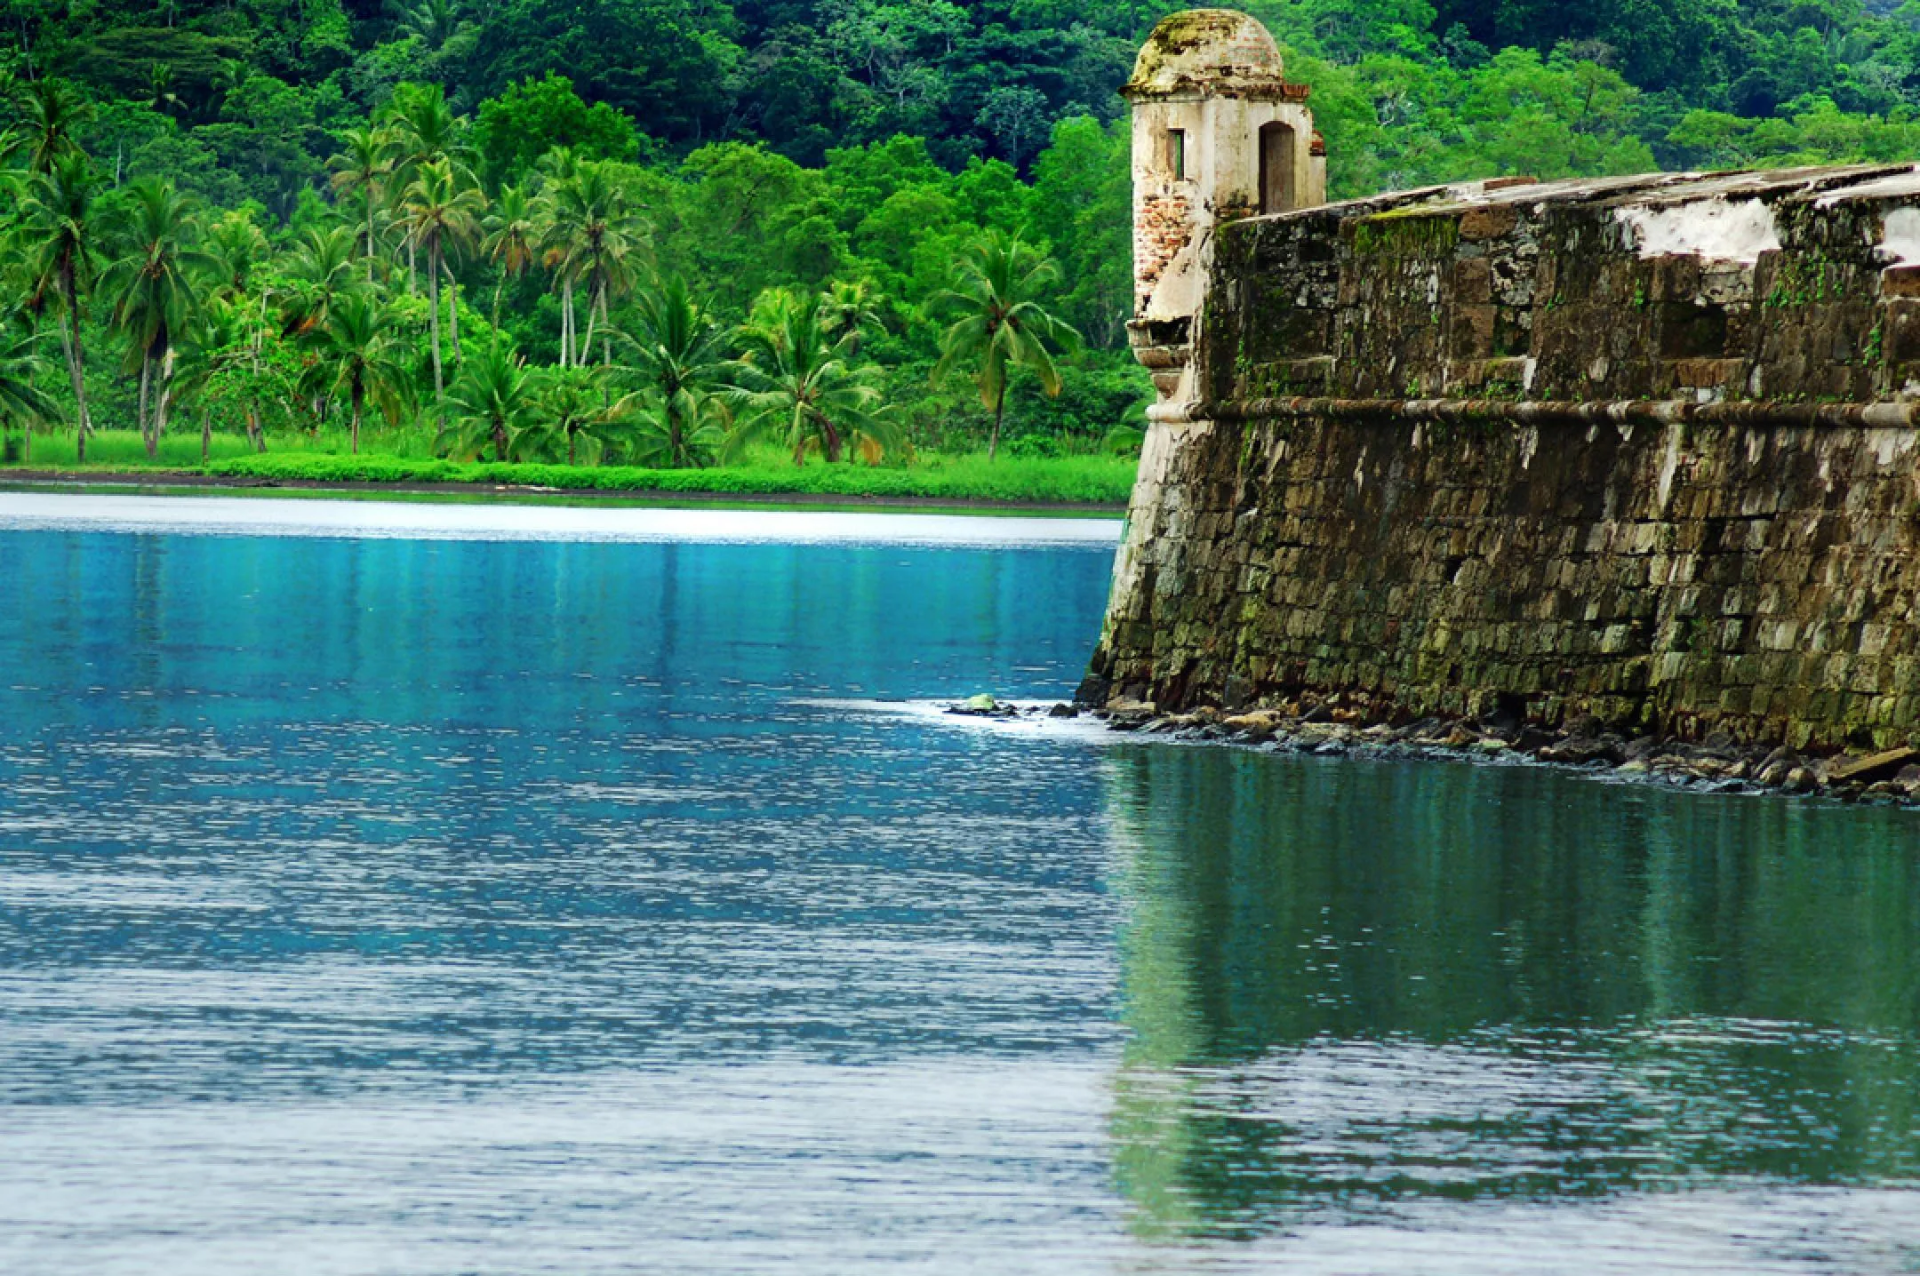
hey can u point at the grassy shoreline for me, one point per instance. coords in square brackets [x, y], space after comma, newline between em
[180, 484]
[1089, 483]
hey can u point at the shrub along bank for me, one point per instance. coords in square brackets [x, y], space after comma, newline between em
[1064, 480]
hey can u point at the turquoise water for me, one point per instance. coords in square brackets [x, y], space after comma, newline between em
[415, 903]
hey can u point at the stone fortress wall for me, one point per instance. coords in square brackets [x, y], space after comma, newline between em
[1639, 451]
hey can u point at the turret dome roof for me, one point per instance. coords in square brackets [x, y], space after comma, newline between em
[1206, 50]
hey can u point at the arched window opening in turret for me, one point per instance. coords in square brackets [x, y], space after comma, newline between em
[1279, 161]
[1177, 153]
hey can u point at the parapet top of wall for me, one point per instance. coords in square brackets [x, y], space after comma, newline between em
[1796, 286]
[1210, 53]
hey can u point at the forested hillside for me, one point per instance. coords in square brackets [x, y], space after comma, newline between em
[805, 145]
[257, 88]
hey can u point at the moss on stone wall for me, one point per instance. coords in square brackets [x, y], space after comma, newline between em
[1415, 233]
[1180, 34]
[1203, 50]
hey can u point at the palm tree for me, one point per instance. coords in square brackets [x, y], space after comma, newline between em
[360, 356]
[160, 94]
[51, 113]
[666, 436]
[559, 255]
[677, 356]
[240, 251]
[229, 77]
[425, 130]
[421, 130]
[797, 384]
[1002, 325]
[492, 402]
[440, 212]
[512, 229]
[153, 289]
[58, 227]
[22, 402]
[598, 235]
[574, 410]
[237, 248]
[852, 310]
[318, 270]
[441, 26]
[364, 163]
[205, 350]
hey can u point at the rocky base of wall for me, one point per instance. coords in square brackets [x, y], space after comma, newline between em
[1720, 765]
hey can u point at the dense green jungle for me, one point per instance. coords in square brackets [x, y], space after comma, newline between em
[684, 234]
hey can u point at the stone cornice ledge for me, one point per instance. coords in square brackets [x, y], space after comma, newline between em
[1890, 415]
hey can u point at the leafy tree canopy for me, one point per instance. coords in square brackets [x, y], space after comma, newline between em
[531, 118]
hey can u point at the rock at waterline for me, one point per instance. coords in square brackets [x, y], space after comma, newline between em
[1867, 770]
[983, 707]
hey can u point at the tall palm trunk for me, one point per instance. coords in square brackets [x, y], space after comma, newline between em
[76, 360]
[66, 355]
[566, 322]
[499, 442]
[206, 435]
[999, 414]
[433, 306]
[256, 432]
[162, 401]
[453, 313]
[370, 240]
[357, 394]
[146, 391]
[606, 331]
[593, 314]
[606, 353]
[412, 272]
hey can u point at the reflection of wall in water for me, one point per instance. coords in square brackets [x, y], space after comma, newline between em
[1628, 986]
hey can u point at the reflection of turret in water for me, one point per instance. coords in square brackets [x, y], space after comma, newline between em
[1153, 1139]
[1348, 982]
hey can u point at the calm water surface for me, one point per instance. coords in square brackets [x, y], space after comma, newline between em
[427, 902]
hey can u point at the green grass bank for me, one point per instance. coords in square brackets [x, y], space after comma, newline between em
[1073, 480]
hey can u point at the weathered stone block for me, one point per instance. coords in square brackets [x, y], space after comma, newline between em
[1900, 281]
[1478, 225]
[1473, 282]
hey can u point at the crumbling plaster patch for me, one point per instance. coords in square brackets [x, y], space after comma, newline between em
[1714, 229]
